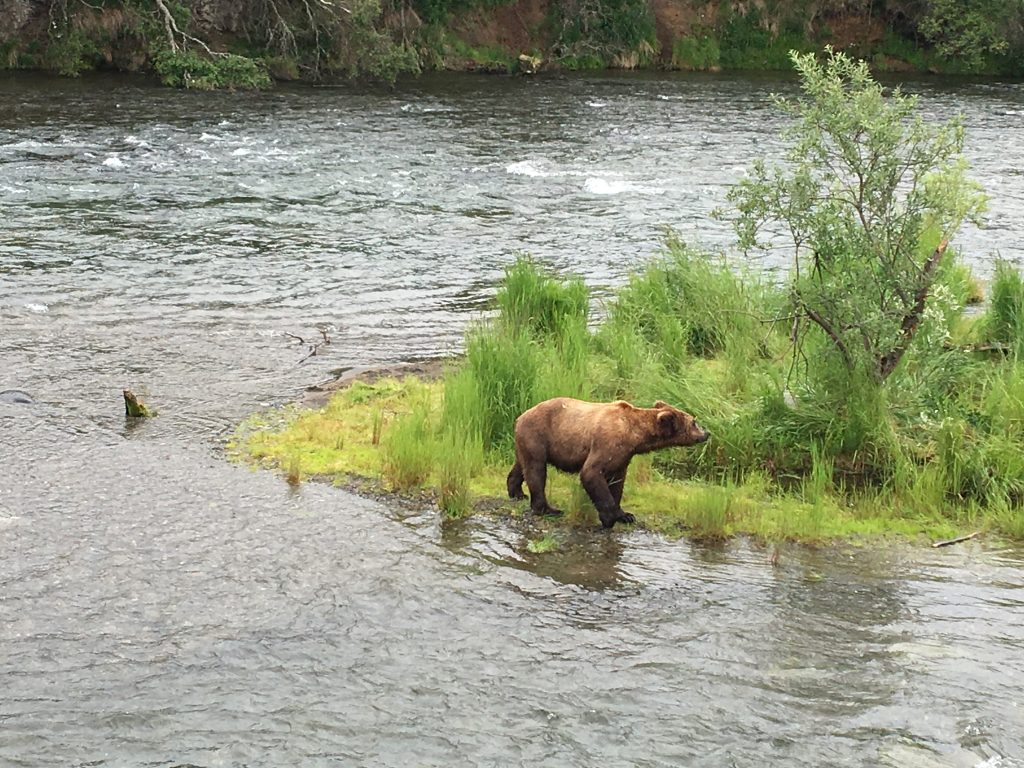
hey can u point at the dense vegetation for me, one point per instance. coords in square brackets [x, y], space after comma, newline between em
[245, 43]
[853, 395]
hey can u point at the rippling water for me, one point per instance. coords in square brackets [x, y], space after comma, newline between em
[161, 607]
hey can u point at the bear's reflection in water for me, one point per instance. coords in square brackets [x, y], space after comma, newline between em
[587, 557]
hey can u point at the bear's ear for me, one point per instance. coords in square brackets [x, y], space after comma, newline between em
[660, 404]
[667, 423]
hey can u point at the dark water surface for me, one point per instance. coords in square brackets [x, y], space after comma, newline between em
[159, 606]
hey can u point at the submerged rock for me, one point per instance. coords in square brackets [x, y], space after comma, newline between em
[133, 407]
[16, 397]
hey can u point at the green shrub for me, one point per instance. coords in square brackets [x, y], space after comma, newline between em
[71, 52]
[188, 69]
[969, 32]
[593, 34]
[363, 47]
[860, 162]
[747, 42]
[696, 53]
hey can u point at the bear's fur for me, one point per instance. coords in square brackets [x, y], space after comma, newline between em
[597, 440]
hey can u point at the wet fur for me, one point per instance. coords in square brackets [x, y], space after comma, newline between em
[597, 440]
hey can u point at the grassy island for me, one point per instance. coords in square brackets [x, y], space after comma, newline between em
[866, 392]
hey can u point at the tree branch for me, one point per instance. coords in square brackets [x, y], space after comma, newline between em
[169, 25]
[172, 27]
[888, 362]
[824, 324]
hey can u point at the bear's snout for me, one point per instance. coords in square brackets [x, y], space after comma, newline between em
[702, 434]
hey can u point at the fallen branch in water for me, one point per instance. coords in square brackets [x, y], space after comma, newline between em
[314, 349]
[957, 540]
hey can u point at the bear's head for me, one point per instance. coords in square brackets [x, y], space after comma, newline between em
[678, 427]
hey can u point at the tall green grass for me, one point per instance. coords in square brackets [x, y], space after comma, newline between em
[459, 460]
[689, 304]
[533, 303]
[409, 448]
[535, 347]
[1004, 322]
[503, 369]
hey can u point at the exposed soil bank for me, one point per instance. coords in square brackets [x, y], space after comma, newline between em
[317, 395]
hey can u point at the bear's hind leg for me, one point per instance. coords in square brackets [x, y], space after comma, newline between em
[515, 482]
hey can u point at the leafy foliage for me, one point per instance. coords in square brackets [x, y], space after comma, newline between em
[70, 52]
[384, 38]
[362, 47]
[971, 30]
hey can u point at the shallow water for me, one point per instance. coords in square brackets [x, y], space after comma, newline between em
[159, 606]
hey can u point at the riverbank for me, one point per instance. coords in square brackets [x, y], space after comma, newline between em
[212, 44]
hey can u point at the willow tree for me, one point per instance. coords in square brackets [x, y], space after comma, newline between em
[867, 201]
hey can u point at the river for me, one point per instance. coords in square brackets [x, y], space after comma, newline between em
[160, 606]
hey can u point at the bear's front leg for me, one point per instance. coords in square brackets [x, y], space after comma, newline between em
[616, 484]
[596, 486]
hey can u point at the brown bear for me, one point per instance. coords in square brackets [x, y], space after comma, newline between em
[598, 440]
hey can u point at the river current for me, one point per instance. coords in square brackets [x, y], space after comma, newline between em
[160, 606]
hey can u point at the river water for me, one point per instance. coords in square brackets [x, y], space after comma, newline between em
[160, 606]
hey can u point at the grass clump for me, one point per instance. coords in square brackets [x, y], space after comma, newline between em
[549, 542]
[1004, 323]
[408, 450]
[460, 459]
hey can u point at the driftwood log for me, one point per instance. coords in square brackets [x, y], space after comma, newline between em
[957, 540]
